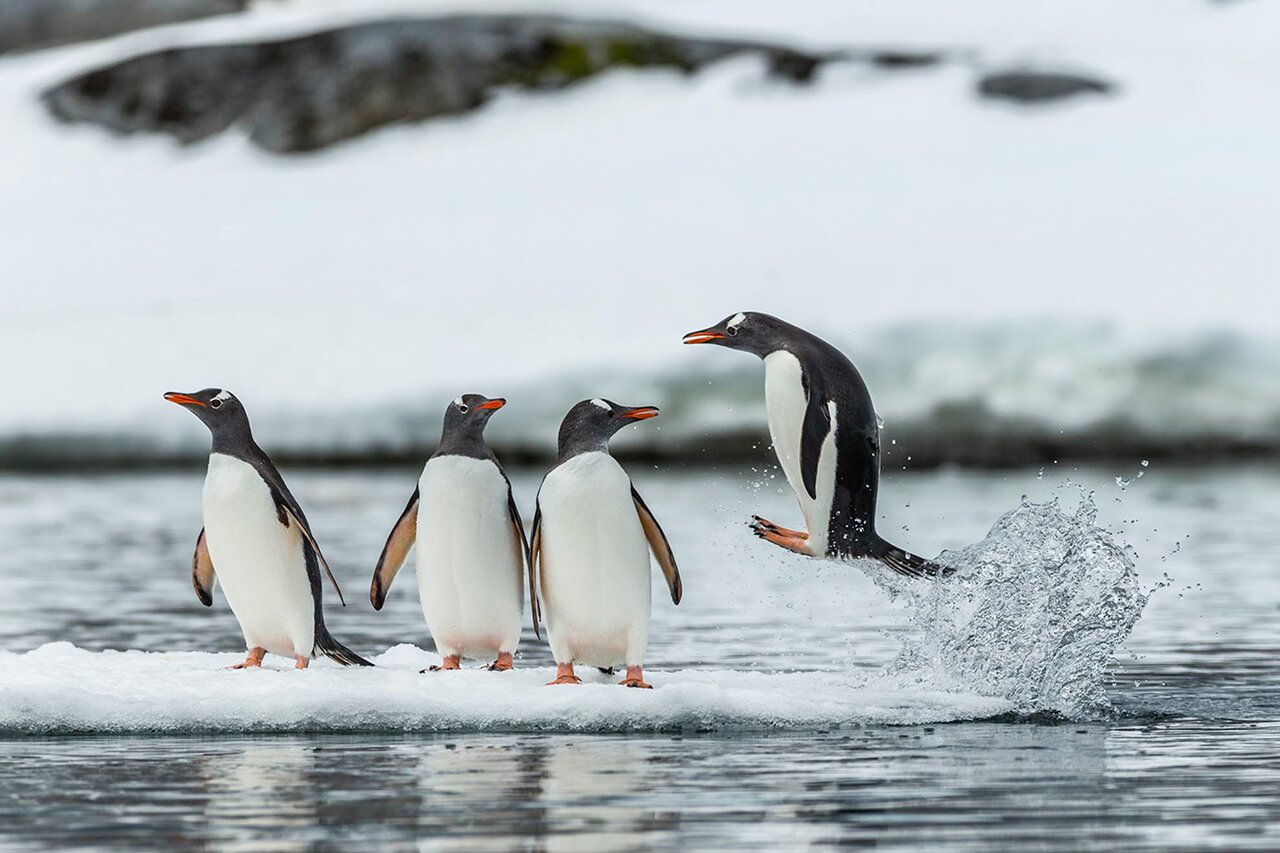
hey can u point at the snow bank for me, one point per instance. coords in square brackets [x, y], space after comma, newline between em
[646, 203]
[61, 689]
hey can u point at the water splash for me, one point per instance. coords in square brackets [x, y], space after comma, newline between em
[1033, 614]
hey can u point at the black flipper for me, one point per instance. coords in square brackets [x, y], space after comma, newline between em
[816, 428]
[904, 562]
[288, 511]
[325, 643]
[517, 527]
[399, 543]
[535, 560]
[660, 546]
[203, 577]
[332, 649]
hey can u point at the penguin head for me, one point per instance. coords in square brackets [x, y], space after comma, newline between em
[220, 411]
[469, 413]
[590, 424]
[749, 331]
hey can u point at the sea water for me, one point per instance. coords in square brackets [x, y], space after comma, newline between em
[797, 702]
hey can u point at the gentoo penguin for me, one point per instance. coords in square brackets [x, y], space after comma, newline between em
[258, 543]
[471, 543]
[827, 438]
[591, 539]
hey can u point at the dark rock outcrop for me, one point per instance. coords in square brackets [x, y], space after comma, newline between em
[32, 24]
[310, 92]
[1035, 87]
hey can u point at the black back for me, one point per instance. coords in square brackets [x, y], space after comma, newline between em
[829, 377]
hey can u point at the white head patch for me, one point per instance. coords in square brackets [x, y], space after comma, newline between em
[223, 396]
[736, 319]
[457, 401]
[602, 404]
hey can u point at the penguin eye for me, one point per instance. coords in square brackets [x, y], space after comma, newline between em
[732, 330]
[215, 403]
[463, 407]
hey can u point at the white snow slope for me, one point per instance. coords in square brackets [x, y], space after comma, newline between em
[593, 227]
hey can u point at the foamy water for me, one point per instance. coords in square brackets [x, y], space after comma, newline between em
[1034, 613]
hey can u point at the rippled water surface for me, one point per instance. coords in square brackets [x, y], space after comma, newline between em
[1191, 758]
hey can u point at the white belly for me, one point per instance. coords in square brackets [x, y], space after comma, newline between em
[785, 402]
[470, 563]
[258, 561]
[595, 578]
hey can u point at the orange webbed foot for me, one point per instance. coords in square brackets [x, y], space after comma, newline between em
[635, 678]
[796, 541]
[502, 664]
[765, 524]
[565, 679]
[253, 661]
[564, 675]
[450, 662]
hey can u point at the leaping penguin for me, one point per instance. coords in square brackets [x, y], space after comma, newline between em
[827, 438]
[259, 543]
[592, 533]
[471, 544]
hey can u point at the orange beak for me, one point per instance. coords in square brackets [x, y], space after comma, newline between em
[703, 337]
[182, 399]
[496, 403]
[641, 413]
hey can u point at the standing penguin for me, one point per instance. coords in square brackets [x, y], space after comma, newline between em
[591, 539]
[827, 438]
[471, 543]
[258, 542]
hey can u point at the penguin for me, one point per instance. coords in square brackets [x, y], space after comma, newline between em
[256, 541]
[471, 544]
[827, 438]
[592, 534]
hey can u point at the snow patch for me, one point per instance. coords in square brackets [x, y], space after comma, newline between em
[61, 689]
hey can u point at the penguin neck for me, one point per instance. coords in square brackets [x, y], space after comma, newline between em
[463, 442]
[576, 446]
[236, 440]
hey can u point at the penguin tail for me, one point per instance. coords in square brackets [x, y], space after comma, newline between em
[328, 646]
[904, 562]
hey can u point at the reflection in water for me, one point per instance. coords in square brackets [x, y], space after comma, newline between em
[476, 794]
[1162, 786]
[596, 792]
[260, 790]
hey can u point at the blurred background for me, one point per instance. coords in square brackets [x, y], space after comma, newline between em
[1044, 232]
